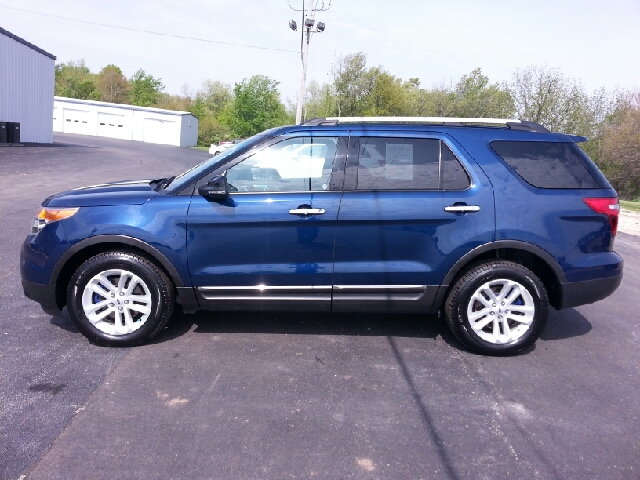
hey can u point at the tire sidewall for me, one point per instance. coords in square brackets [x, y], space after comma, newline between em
[103, 263]
[535, 289]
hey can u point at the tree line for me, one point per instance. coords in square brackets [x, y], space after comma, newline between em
[75, 80]
[610, 119]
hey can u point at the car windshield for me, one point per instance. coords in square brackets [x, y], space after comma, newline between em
[195, 172]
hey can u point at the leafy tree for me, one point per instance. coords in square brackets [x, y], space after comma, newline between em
[351, 84]
[112, 85]
[211, 130]
[436, 102]
[475, 97]
[367, 91]
[145, 89]
[620, 149]
[256, 106]
[472, 96]
[173, 102]
[320, 101]
[207, 104]
[387, 96]
[375, 91]
[75, 80]
[214, 97]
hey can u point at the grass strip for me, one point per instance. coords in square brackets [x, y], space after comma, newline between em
[634, 206]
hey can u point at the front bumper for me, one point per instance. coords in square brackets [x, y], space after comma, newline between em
[45, 295]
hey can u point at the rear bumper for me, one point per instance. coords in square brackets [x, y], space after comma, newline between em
[45, 295]
[589, 291]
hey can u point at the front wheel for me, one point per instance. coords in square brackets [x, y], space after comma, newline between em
[497, 308]
[120, 299]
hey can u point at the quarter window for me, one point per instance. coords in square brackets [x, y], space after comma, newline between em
[408, 164]
[547, 164]
[293, 165]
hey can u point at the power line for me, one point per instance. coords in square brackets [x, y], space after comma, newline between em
[149, 31]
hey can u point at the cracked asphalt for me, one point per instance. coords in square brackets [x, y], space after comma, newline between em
[289, 395]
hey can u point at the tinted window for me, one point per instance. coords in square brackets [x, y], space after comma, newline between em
[408, 164]
[454, 177]
[546, 164]
[293, 165]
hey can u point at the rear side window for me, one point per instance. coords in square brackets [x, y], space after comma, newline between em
[547, 164]
[408, 164]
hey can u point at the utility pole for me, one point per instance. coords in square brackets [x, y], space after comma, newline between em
[308, 22]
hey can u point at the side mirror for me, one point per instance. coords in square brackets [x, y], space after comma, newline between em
[217, 187]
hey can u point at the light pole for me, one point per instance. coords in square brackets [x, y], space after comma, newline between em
[307, 29]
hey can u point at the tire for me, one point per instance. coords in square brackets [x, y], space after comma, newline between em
[120, 299]
[497, 308]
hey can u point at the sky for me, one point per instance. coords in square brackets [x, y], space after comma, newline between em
[594, 41]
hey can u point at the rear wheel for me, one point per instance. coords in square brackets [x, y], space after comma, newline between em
[497, 308]
[120, 299]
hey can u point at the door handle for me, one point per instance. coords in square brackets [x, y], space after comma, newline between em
[462, 208]
[306, 212]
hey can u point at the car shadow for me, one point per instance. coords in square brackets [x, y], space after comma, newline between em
[562, 325]
[64, 322]
[51, 145]
[565, 324]
[308, 323]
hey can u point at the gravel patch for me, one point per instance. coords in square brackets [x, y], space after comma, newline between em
[629, 222]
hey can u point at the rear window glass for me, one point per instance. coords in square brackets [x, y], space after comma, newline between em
[547, 164]
[408, 164]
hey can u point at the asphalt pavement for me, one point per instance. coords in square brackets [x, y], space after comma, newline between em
[288, 395]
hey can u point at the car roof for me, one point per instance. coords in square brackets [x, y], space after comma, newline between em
[456, 130]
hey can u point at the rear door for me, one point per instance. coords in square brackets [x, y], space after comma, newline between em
[411, 207]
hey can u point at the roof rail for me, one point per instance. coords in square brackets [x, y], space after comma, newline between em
[453, 121]
[531, 126]
[320, 121]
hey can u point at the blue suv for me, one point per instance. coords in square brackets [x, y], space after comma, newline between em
[489, 221]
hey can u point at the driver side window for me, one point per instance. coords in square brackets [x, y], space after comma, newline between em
[292, 165]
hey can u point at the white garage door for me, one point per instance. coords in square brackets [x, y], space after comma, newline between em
[76, 121]
[159, 131]
[114, 126]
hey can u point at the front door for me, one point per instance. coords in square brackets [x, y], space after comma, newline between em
[410, 208]
[269, 245]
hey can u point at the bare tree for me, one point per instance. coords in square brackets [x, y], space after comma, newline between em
[546, 96]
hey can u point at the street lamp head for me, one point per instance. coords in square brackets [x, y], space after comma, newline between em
[309, 22]
[320, 27]
[293, 25]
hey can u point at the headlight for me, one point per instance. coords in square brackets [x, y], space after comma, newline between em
[48, 215]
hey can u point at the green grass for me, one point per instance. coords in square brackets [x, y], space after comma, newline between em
[206, 149]
[635, 206]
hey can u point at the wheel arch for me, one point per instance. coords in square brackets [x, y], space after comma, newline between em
[539, 261]
[89, 247]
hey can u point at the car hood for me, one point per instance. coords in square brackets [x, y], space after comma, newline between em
[128, 192]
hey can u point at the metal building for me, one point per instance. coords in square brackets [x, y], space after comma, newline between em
[27, 82]
[127, 122]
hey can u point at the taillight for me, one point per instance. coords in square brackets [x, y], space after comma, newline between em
[609, 206]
